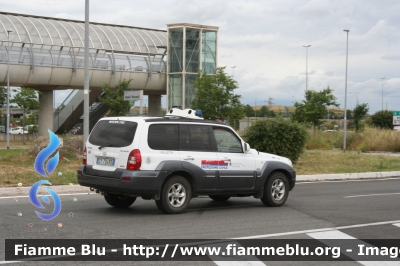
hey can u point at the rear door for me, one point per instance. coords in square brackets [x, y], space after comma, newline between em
[197, 154]
[236, 168]
[160, 145]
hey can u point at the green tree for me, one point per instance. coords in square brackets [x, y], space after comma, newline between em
[382, 119]
[248, 110]
[359, 112]
[271, 113]
[263, 112]
[278, 136]
[3, 97]
[214, 96]
[349, 114]
[114, 99]
[28, 100]
[314, 107]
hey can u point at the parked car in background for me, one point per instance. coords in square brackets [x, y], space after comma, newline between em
[17, 130]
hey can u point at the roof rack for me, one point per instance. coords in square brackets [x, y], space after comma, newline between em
[186, 113]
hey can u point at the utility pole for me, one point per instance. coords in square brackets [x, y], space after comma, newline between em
[306, 46]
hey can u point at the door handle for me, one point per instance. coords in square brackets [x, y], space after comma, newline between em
[189, 159]
[227, 159]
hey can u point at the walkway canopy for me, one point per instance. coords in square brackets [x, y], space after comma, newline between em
[57, 34]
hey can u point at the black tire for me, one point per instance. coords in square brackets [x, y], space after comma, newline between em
[276, 190]
[119, 201]
[175, 195]
[219, 198]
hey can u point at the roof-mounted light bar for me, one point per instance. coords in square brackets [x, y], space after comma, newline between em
[187, 113]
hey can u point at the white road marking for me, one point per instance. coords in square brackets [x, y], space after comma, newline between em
[70, 194]
[351, 180]
[370, 195]
[398, 224]
[334, 238]
[318, 230]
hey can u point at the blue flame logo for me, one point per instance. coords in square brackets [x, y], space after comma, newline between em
[45, 153]
[36, 203]
[40, 169]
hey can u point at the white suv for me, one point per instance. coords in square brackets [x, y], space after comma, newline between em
[174, 158]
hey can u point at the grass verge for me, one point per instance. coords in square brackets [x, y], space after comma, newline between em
[336, 162]
[16, 166]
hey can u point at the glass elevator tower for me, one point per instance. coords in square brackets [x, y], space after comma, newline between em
[191, 49]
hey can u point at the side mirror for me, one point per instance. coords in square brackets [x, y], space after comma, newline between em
[246, 147]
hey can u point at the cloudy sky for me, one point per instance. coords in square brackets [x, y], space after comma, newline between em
[263, 41]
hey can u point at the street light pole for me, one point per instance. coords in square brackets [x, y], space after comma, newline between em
[382, 92]
[345, 92]
[306, 46]
[86, 77]
[8, 88]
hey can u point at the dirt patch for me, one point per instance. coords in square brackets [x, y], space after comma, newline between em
[71, 146]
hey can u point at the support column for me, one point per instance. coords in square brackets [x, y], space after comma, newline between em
[45, 112]
[154, 105]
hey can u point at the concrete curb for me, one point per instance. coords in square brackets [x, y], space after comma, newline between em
[24, 191]
[351, 176]
[67, 189]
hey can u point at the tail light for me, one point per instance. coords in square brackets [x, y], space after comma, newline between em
[84, 156]
[134, 160]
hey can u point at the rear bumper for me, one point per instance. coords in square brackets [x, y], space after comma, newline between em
[136, 183]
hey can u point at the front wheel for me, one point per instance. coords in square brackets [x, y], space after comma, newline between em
[119, 201]
[175, 195]
[276, 190]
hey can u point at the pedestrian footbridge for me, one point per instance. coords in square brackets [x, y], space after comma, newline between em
[47, 54]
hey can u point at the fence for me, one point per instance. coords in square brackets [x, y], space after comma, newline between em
[18, 137]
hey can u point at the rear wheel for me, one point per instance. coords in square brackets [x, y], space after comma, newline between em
[219, 197]
[119, 201]
[276, 190]
[175, 195]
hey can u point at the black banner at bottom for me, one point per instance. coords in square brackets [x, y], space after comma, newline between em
[202, 250]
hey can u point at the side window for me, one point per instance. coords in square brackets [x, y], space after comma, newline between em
[184, 138]
[163, 137]
[227, 141]
[194, 138]
[200, 138]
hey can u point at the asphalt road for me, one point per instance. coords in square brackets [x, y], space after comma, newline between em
[365, 209]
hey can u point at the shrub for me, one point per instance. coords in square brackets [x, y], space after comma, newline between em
[280, 137]
[382, 119]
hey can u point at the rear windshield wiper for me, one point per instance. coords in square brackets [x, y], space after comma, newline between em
[108, 145]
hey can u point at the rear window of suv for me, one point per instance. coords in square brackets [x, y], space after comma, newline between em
[163, 137]
[113, 133]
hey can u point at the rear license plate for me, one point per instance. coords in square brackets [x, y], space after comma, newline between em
[105, 161]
